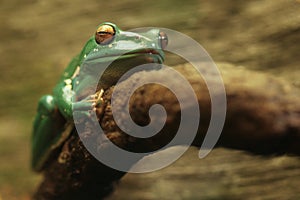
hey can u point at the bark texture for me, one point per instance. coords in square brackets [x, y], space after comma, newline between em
[263, 117]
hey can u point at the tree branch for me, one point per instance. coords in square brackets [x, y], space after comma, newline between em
[263, 116]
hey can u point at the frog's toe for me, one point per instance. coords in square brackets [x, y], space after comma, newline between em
[98, 97]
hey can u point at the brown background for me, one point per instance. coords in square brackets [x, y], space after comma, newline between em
[38, 38]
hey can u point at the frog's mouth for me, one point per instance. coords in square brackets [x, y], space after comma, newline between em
[139, 56]
[149, 55]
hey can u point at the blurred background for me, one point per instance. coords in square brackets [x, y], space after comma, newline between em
[39, 37]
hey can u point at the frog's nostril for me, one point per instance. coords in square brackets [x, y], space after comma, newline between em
[163, 39]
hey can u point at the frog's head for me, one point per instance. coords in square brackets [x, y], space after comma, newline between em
[122, 50]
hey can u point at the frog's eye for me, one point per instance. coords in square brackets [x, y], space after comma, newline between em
[105, 34]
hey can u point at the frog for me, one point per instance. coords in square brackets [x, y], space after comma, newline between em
[109, 45]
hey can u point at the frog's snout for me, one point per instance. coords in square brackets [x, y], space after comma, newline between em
[163, 40]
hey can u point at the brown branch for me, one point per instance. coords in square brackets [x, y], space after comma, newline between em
[263, 116]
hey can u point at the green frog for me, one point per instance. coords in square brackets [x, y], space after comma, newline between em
[122, 51]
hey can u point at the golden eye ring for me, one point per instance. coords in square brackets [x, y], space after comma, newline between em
[105, 34]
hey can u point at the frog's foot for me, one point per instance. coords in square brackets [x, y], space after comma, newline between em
[90, 102]
[97, 99]
[86, 108]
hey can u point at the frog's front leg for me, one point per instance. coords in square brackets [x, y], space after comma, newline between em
[84, 108]
[68, 105]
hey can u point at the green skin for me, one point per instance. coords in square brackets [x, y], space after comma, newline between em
[54, 120]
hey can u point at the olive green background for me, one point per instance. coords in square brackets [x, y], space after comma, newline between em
[39, 37]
